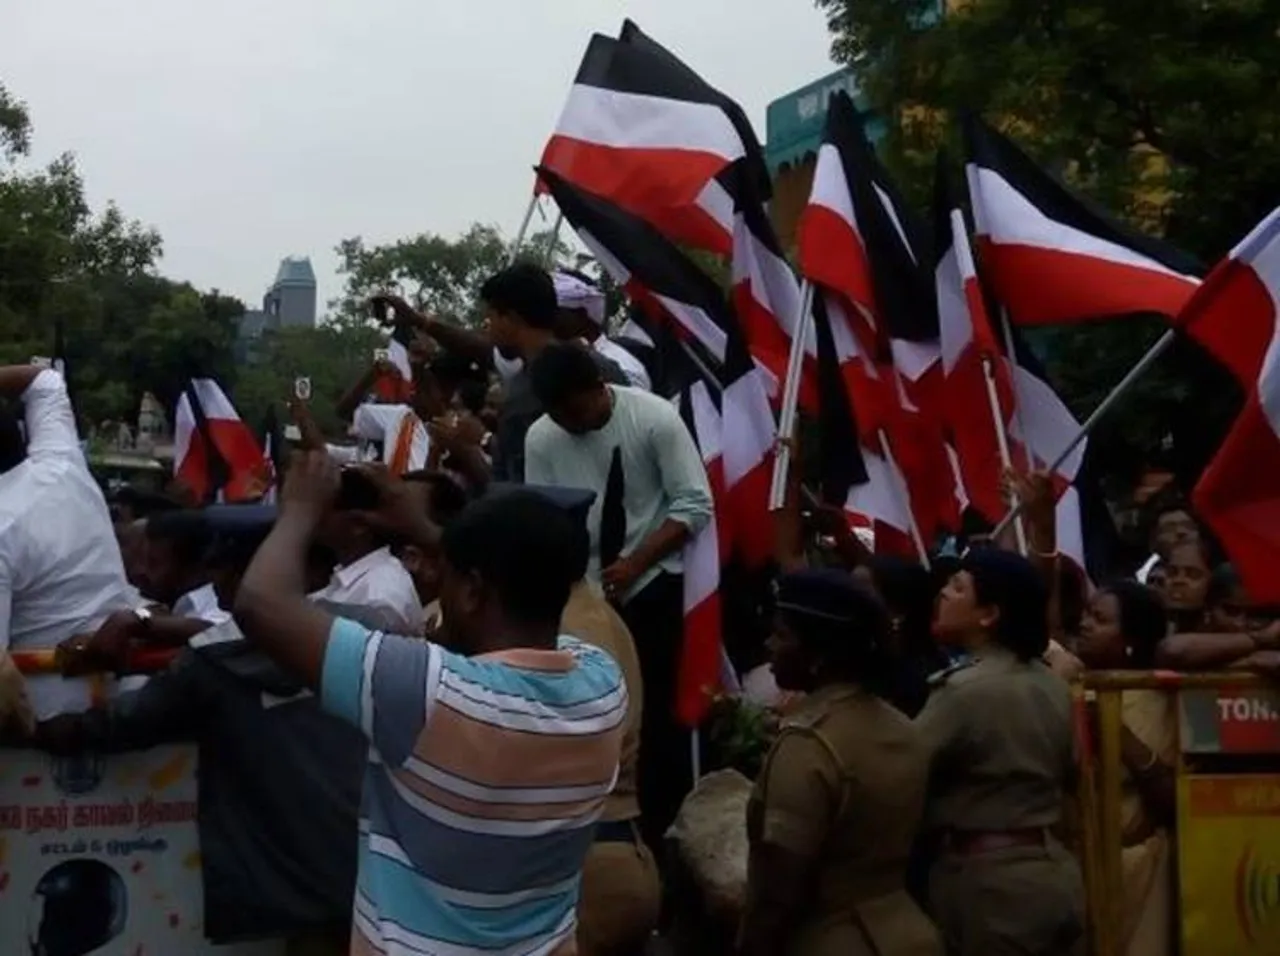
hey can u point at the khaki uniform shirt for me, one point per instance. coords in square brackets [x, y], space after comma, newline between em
[589, 617]
[844, 787]
[1001, 736]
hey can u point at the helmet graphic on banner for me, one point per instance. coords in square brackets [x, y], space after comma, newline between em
[78, 906]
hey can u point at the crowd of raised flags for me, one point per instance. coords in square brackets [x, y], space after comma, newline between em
[909, 358]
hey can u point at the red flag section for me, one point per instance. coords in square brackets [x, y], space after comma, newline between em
[215, 454]
[1051, 256]
[650, 138]
[1234, 316]
[969, 348]
[766, 297]
[698, 675]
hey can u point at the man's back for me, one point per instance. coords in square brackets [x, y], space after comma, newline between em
[60, 566]
[486, 777]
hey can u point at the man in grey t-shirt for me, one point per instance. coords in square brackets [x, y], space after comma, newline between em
[521, 310]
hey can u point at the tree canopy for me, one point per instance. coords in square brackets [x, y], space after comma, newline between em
[125, 329]
[1166, 119]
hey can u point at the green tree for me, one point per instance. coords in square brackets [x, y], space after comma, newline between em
[438, 275]
[1167, 120]
[332, 355]
[125, 330]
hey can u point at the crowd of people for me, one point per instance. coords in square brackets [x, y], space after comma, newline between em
[432, 685]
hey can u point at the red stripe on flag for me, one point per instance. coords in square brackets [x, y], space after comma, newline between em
[1043, 286]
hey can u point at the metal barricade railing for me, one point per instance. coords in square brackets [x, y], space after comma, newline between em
[47, 661]
[1102, 776]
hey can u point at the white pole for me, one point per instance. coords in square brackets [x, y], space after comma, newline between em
[904, 498]
[1002, 441]
[524, 226]
[549, 254]
[1159, 348]
[791, 395]
[1010, 351]
[695, 755]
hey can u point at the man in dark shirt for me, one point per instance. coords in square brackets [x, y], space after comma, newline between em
[521, 312]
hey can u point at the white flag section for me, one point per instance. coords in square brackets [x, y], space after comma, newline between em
[101, 855]
[1237, 318]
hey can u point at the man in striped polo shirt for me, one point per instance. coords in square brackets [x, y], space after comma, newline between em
[489, 762]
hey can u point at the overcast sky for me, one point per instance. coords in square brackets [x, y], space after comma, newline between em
[247, 130]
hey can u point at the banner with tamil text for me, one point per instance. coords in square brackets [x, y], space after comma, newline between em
[101, 855]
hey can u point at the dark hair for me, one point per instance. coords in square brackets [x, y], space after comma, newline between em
[1222, 583]
[524, 290]
[523, 547]
[446, 498]
[187, 533]
[1143, 620]
[452, 370]
[13, 446]
[842, 621]
[561, 371]
[141, 502]
[235, 550]
[908, 590]
[473, 393]
[1165, 502]
[1009, 582]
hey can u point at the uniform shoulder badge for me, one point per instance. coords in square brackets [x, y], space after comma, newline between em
[940, 677]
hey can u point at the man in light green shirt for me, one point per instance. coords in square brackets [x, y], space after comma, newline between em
[652, 497]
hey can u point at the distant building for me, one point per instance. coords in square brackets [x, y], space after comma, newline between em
[292, 297]
[290, 302]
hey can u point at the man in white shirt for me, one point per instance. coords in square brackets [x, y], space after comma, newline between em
[176, 572]
[582, 307]
[60, 567]
[369, 584]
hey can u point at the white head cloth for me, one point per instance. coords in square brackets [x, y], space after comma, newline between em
[573, 293]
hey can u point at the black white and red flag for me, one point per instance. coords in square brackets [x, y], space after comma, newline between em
[216, 456]
[1052, 256]
[860, 242]
[1235, 317]
[766, 292]
[851, 475]
[969, 348]
[643, 131]
[662, 278]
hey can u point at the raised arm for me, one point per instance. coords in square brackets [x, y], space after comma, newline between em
[51, 422]
[467, 343]
[271, 606]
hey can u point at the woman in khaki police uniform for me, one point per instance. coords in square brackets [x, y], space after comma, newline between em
[839, 801]
[1000, 728]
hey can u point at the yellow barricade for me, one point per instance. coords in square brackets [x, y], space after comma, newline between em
[1228, 820]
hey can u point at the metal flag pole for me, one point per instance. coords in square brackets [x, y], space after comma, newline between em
[1159, 348]
[1002, 441]
[904, 498]
[1011, 353]
[549, 253]
[791, 396]
[524, 226]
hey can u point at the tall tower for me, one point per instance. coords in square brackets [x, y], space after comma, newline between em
[291, 300]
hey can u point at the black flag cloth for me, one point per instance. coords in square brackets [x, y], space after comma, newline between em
[613, 513]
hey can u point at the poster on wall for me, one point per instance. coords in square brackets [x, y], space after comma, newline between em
[1229, 864]
[101, 855]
